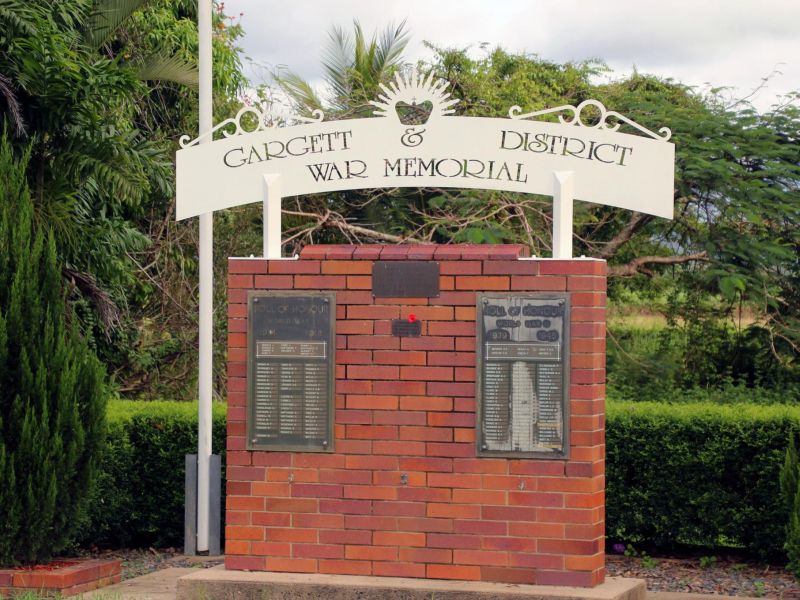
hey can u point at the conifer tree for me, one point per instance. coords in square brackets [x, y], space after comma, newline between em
[52, 386]
[790, 487]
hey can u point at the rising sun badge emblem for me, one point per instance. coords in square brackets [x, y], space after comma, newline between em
[414, 90]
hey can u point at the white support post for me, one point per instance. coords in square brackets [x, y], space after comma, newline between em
[562, 214]
[272, 216]
[206, 257]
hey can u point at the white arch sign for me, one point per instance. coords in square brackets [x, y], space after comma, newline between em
[517, 154]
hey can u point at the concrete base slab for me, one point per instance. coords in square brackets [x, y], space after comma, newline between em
[219, 584]
[158, 585]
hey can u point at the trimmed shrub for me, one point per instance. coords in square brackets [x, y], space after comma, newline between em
[697, 474]
[140, 496]
[52, 388]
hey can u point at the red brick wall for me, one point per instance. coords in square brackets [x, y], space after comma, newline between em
[407, 406]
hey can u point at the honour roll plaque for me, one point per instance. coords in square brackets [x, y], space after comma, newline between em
[523, 375]
[290, 358]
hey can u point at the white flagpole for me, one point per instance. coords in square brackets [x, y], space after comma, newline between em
[206, 251]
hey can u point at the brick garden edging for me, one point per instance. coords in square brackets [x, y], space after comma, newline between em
[407, 406]
[73, 578]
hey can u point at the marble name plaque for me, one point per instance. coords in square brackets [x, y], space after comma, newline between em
[523, 386]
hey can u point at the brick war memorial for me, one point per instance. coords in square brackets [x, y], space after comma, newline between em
[419, 471]
[413, 417]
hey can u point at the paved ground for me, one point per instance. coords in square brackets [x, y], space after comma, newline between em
[161, 585]
[158, 585]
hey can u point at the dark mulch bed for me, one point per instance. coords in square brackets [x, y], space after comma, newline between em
[726, 576]
[144, 561]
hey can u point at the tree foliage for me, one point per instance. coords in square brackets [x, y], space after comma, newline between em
[354, 68]
[71, 86]
[52, 387]
[100, 90]
[735, 237]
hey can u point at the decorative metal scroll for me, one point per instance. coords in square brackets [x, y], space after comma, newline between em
[265, 118]
[602, 123]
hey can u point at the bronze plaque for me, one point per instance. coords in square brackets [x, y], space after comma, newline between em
[290, 371]
[523, 375]
[406, 328]
[405, 279]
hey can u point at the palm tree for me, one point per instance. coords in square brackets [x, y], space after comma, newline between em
[106, 18]
[90, 164]
[13, 108]
[353, 68]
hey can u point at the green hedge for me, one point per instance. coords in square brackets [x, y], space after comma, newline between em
[699, 474]
[139, 499]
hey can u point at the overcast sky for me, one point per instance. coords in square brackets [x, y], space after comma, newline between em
[698, 42]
